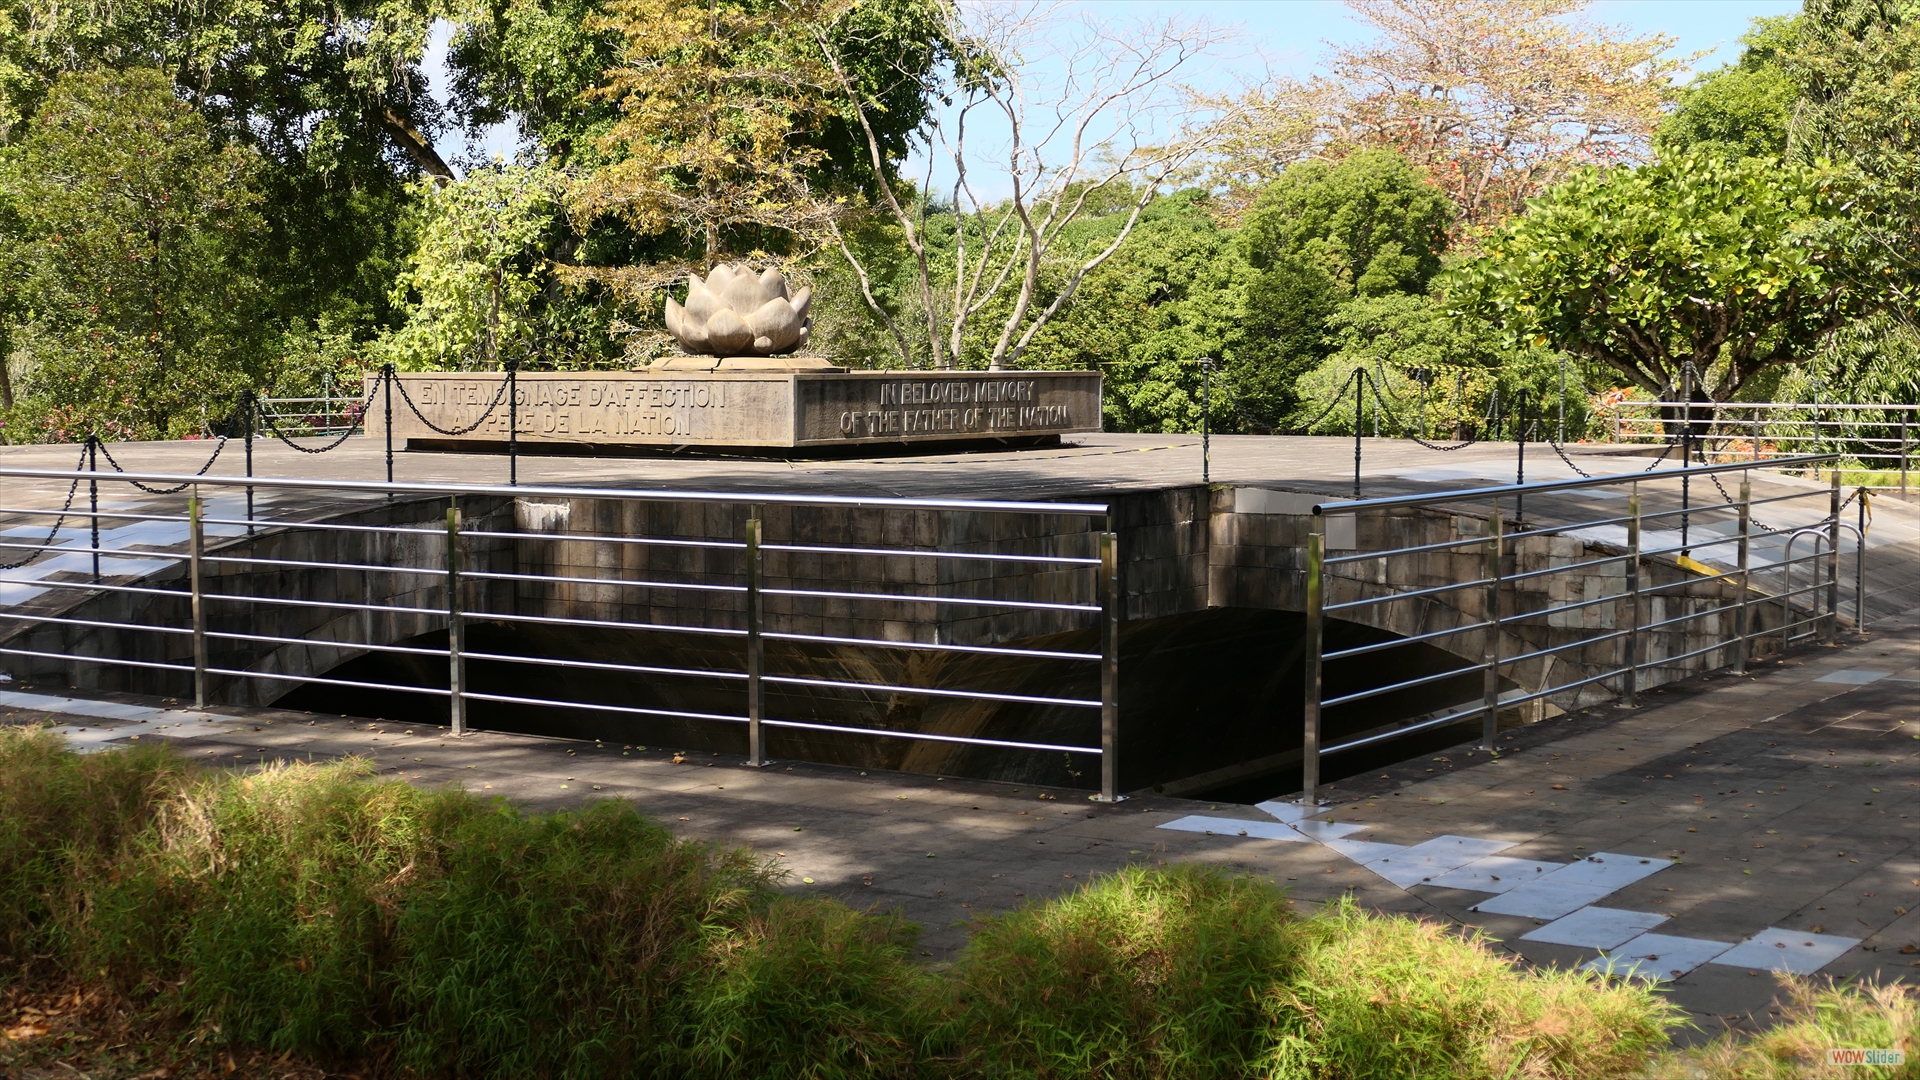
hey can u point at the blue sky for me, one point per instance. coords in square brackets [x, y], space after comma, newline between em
[1288, 36]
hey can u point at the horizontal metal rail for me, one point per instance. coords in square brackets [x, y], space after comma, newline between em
[920, 553]
[928, 736]
[1404, 684]
[882, 643]
[600, 665]
[625, 583]
[1504, 491]
[89, 659]
[770, 498]
[1382, 646]
[972, 601]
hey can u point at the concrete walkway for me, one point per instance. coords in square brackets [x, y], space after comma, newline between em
[1745, 822]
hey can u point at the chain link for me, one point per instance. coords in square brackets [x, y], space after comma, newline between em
[274, 427]
[1373, 386]
[65, 508]
[177, 488]
[470, 428]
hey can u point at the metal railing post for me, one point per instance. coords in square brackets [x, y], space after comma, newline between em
[1520, 463]
[1833, 558]
[196, 548]
[456, 627]
[1686, 453]
[386, 389]
[1630, 643]
[513, 423]
[1905, 418]
[1315, 647]
[756, 649]
[1359, 387]
[1860, 568]
[247, 405]
[93, 499]
[1742, 624]
[1206, 420]
[1111, 601]
[1490, 720]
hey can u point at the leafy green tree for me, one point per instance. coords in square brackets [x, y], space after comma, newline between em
[1729, 266]
[1319, 236]
[1742, 109]
[1857, 66]
[481, 289]
[1437, 375]
[136, 234]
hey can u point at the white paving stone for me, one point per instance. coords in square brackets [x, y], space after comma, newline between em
[1221, 826]
[1543, 899]
[1796, 951]
[1611, 869]
[1853, 677]
[1423, 862]
[1494, 874]
[1364, 851]
[1288, 812]
[1595, 927]
[1323, 831]
[1658, 957]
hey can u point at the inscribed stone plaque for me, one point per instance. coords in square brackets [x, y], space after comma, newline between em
[773, 409]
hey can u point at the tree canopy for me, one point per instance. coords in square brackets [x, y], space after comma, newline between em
[1724, 265]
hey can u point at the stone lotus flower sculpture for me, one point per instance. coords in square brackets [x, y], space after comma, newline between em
[735, 313]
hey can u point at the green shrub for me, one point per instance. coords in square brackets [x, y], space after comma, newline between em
[561, 944]
[313, 909]
[1143, 974]
[66, 822]
[1383, 996]
[1819, 1016]
[811, 989]
[271, 900]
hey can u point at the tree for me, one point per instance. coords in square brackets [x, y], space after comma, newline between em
[1319, 236]
[1728, 266]
[1079, 107]
[1742, 109]
[1857, 66]
[480, 287]
[1497, 99]
[136, 234]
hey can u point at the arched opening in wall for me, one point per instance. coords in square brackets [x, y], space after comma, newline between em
[1211, 701]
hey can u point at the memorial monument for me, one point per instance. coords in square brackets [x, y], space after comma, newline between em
[738, 384]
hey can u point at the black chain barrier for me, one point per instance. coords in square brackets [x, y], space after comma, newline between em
[498, 397]
[174, 490]
[274, 427]
[1373, 385]
[65, 508]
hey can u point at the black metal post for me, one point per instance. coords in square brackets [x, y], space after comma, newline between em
[1686, 451]
[1206, 420]
[386, 379]
[1359, 386]
[246, 411]
[1520, 462]
[513, 423]
[93, 499]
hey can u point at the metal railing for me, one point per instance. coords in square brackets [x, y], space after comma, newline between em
[1600, 605]
[188, 584]
[1874, 436]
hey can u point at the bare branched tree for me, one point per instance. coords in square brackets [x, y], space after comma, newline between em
[1045, 119]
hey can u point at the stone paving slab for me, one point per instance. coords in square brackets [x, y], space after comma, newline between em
[1781, 802]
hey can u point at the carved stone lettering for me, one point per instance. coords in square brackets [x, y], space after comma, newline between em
[746, 408]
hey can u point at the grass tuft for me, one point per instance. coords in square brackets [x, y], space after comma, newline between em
[1382, 996]
[1819, 1016]
[1147, 973]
